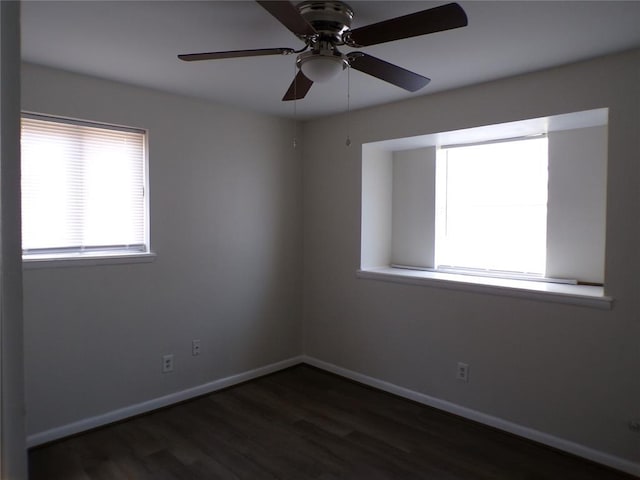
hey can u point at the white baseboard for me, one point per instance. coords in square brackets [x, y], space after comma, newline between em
[597, 456]
[144, 407]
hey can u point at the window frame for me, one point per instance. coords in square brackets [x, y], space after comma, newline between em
[96, 255]
[443, 183]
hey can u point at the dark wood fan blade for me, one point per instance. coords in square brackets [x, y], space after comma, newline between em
[387, 71]
[287, 14]
[298, 88]
[433, 20]
[193, 57]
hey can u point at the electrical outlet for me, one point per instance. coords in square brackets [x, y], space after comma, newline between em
[167, 363]
[634, 425]
[463, 372]
[195, 348]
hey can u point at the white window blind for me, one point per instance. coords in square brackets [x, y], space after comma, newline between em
[83, 188]
[491, 202]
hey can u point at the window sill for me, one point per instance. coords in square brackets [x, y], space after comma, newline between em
[582, 295]
[87, 260]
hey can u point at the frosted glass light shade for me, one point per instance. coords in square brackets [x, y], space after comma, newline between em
[322, 68]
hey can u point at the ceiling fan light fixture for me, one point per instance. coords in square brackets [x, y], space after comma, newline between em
[321, 67]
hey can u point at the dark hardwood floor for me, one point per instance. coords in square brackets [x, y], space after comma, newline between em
[303, 423]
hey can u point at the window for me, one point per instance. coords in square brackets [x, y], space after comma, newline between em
[83, 189]
[517, 201]
[491, 207]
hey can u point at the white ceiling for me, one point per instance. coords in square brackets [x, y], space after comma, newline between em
[137, 42]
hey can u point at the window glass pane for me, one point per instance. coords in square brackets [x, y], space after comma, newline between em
[82, 186]
[51, 178]
[492, 206]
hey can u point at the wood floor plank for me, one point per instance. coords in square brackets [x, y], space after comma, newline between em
[304, 424]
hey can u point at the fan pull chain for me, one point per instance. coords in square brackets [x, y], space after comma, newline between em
[348, 141]
[295, 107]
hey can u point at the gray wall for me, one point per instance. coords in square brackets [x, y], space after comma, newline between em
[569, 371]
[226, 225]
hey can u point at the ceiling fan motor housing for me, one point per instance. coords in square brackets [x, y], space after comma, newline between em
[330, 19]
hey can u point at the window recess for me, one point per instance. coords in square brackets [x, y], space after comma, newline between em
[544, 222]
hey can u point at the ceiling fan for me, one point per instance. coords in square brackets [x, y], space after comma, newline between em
[325, 25]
